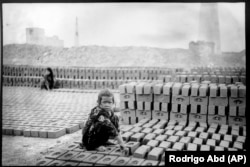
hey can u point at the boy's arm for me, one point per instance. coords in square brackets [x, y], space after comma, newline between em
[86, 127]
[120, 140]
[94, 115]
[92, 118]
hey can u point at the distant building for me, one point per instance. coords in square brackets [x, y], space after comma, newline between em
[37, 36]
[53, 41]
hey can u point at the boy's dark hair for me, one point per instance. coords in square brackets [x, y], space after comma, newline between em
[105, 92]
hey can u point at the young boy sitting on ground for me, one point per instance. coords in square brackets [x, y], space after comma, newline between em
[102, 124]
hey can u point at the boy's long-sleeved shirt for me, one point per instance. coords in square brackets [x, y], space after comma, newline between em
[99, 118]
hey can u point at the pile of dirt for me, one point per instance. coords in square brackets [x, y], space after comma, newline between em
[94, 56]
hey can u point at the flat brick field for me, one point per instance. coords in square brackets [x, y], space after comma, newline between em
[32, 112]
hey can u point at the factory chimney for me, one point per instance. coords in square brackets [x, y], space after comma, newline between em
[209, 30]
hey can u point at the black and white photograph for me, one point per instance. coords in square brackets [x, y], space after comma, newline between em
[122, 83]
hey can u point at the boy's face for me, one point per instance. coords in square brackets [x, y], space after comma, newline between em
[106, 103]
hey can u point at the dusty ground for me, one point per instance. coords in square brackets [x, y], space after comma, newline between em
[25, 151]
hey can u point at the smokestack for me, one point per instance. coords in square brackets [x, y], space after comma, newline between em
[76, 35]
[209, 30]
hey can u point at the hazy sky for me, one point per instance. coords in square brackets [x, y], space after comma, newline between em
[164, 25]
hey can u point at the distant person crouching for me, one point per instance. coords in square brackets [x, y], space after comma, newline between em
[48, 80]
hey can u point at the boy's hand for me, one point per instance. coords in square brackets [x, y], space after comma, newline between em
[124, 150]
[101, 118]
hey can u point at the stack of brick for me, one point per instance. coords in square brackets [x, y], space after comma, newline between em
[166, 78]
[237, 105]
[203, 102]
[119, 74]
[199, 103]
[144, 100]
[221, 75]
[112, 74]
[128, 103]
[152, 74]
[180, 102]
[218, 104]
[162, 101]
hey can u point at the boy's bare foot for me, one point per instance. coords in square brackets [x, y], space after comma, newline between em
[101, 148]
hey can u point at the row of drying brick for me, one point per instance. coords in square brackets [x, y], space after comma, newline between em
[57, 99]
[195, 102]
[48, 107]
[76, 157]
[152, 148]
[43, 111]
[31, 113]
[170, 134]
[219, 79]
[178, 93]
[184, 89]
[161, 126]
[238, 110]
[32, 81]
[90, 73]
[18, 121]
[32, 118]
[39, 123]
[212, 73]
[63, 82]
[114, 72]
[217, 69]
[130, 117]
[144, 151]
[47, 131]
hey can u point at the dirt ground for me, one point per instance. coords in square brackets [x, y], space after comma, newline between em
[26, 151]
